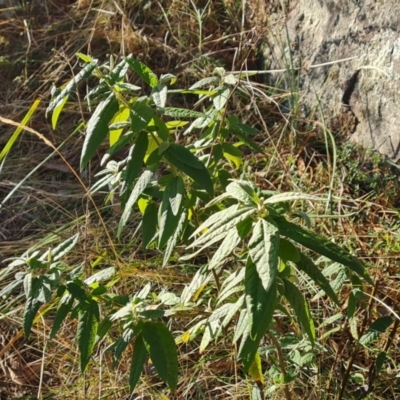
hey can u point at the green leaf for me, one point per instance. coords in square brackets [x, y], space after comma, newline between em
[71, 86]
[288, 252]
[139, 188]
[243, 326]
[88, 322]
[230, 79]
[233, 154]
[100, 276]
[174, 239]
[240, 132]
[380, 359]
[97, 128]
[231, 311]
[28, 284]
[247, 129]
[135, 159]
[198, 283]
[169, 210]
[232, 239]
[220, 223]
[376, 329]
[118, 72]
[32, 306]
[57, 112]
[203, 121]
[221, 218]
[182, 113]
[76, 291]
[185, 155]
[260, 308]
[243, 192]
[103, 328]
[123, 141]
[175, 194]
[161, 346]
[84, 57]
[292, 196]
[64, 308]
[62, 249]
[244, 227]
[194, 91]
[159, 95]
[351, 306]
[263, 249]
[306, 265]
[149, 224]
[144, 72]
[127, 87]
[141, 115]
[34, 263]
[185, 161]
[300, 307]
[322, 246]
[168, 79]
[221, 98]
[122, 343]
[255, 370]
[210, 332]
[205, 82]
[44, 289]
[138, 359]
[161, 128]
[233, 282]
[120, 121]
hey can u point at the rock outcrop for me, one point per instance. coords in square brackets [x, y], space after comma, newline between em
[359, 96]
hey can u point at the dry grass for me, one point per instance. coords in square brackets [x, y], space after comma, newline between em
[39, 45]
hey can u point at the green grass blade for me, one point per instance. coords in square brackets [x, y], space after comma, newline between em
[19, 130]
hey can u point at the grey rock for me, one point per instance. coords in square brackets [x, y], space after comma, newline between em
[359, 97]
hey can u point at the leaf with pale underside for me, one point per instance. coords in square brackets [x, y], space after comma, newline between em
[263, 249]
